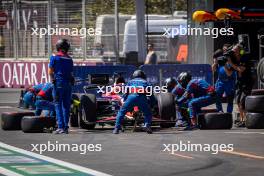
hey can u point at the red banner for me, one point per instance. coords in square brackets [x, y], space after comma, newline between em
[19, 74]
[23, 74]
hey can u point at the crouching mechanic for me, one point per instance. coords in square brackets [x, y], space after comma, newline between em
[60, 70]
[182, 109]
[170, 83]
[135, 96]
[200, 93]
[41, 96]
[29, 97]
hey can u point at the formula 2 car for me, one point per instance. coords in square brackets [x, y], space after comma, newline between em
[91, 108]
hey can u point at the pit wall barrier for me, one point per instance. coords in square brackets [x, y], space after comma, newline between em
[20, 74]
[158, 73]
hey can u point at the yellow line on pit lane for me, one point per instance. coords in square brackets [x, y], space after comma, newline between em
[244, 154]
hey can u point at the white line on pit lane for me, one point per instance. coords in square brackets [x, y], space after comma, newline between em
[8, 172]
[53, 160]
[5, 107]
[244, 132]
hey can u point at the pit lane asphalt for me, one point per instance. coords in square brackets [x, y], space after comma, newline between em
[138, 153]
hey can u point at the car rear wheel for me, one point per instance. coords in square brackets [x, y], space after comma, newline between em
[87, 113]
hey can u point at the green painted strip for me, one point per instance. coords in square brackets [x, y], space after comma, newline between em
[25, 163]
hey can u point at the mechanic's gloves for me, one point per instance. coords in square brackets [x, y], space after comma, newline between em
[53, 81]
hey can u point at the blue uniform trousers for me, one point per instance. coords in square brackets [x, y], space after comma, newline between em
[227, 87]
[42, 104]
[62, 99]
[132, 100]
[195, 104]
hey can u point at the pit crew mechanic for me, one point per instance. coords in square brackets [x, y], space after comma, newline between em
[200, 93]
[181, 110]
[41, 96]
[133, 98]
[229, 66]
[225, 84]
[60, 70]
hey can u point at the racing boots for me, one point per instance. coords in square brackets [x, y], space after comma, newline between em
[116, 130]
[147, 129]
[59, 131]
[193, 125]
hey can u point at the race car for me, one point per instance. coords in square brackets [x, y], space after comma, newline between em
[91, 108]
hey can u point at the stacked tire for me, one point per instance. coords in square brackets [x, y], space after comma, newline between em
[254, 106]
[215, 120]
[37, 124]
[12, 120]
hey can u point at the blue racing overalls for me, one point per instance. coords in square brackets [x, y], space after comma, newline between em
[178, 91]
[62, 65]
[225, 84]
[30, 96]
[134, 98]
[35, 89]
[200, 93]
[44, 101]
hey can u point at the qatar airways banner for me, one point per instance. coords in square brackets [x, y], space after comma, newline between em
[20, 74]
[23, 74]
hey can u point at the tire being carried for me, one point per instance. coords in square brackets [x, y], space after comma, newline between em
[216, 121]
[87, 113]
[12, 120]
[255, 120]
[37, 124]
[166, 109]
[166, 106]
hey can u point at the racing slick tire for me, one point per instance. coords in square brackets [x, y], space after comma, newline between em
[257, 92]
[254, 103]
[255, 120]
[74, 112]
[167, 125]
[12, 120]
[37, 124]
[166, 106]
[87, 113]
[209, 110]
[260, 70]
[216, 121]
